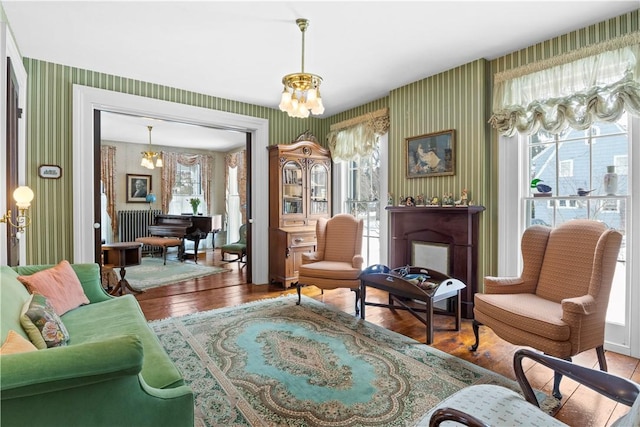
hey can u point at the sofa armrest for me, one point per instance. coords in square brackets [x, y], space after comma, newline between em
[96, 384]
[60, 368]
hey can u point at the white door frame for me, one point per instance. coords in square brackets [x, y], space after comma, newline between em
[9, 49]
[87, 99]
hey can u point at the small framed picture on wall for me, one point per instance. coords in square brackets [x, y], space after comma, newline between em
[137, 188]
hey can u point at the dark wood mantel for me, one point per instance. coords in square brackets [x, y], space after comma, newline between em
[456, 227]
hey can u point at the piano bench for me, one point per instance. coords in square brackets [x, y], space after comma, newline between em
[162, 242]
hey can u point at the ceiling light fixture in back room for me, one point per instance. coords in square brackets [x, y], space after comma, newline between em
[301, 93]
[151, 159]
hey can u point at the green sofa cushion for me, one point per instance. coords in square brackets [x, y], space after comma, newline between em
[119, 316]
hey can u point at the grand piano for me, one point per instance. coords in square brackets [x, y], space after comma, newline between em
[189, 227]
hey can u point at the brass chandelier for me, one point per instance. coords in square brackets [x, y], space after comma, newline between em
[301, 94]
[151, 159]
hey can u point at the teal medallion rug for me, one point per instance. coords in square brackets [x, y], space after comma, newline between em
[273, 363]
[151, 273]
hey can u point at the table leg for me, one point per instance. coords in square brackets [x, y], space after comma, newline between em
[458, 305]
[429, 314]
[123, 285]
[363, 295]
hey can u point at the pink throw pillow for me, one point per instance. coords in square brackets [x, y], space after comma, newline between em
[60, 285]
[16, 343]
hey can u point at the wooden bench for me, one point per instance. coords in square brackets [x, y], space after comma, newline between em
[163, 243]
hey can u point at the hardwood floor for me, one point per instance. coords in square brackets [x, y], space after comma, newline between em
[580, 405]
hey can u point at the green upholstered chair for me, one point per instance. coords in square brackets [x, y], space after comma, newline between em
[238, 248]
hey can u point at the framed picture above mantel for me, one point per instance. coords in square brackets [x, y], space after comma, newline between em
[432, 154]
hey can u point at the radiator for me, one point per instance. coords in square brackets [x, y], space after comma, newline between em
[135, 223]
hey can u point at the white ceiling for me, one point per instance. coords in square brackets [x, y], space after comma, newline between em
[240, 50]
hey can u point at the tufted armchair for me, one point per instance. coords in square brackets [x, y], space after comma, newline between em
[337, 262]
[559, 303]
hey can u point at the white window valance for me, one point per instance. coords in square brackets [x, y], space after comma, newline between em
[357, 137]
[596, 83]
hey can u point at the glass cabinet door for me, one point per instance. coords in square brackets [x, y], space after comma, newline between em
[292, 188]
[319, 192]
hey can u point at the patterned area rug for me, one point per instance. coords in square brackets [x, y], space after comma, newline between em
[273, 363]
[152, 273]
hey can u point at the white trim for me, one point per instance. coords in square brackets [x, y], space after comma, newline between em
[87, 99]
[9, 49]
[510, 159]
[384, 191]
[633, 234]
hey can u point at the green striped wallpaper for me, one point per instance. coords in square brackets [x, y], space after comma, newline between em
[460, 99]
[49, 141]
[457, 99]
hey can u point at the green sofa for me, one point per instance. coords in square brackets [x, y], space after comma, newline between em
[113, 372]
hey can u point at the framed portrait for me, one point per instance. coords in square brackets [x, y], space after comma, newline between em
[432, 154]
[137, 188]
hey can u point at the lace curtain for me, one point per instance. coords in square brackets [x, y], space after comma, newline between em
[107, 177]
[171, 160]
[596, 83]
[237, 161]
[359, 139]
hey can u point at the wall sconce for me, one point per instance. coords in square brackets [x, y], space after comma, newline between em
[23, 196]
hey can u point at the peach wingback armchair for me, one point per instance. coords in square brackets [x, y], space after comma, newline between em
[559, 303]
[337, 262]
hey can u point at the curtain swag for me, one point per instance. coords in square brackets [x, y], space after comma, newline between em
[596, 83]
[357, 141]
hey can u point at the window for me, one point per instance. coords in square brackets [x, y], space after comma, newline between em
[566, 168]
[579, 160]
[188, 185]
[363, 201]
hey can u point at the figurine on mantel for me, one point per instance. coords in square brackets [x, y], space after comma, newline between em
[464, 198]
[434, 202]
[389, 199]
[447, 199]
[420, 200]
[410, 201]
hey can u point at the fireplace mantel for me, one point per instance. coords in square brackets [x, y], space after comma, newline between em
[454, 228]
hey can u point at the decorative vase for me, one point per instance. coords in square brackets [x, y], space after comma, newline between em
[610, 181]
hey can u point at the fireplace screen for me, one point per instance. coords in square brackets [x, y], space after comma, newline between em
[431, 256]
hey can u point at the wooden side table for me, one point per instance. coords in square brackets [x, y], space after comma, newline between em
[122, 255]
[403, 294]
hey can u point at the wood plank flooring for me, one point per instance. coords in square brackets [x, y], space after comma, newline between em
[580, 405]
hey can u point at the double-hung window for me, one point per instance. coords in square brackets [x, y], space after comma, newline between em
[188, 185]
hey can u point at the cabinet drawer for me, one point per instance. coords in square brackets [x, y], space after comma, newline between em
[297, 239]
